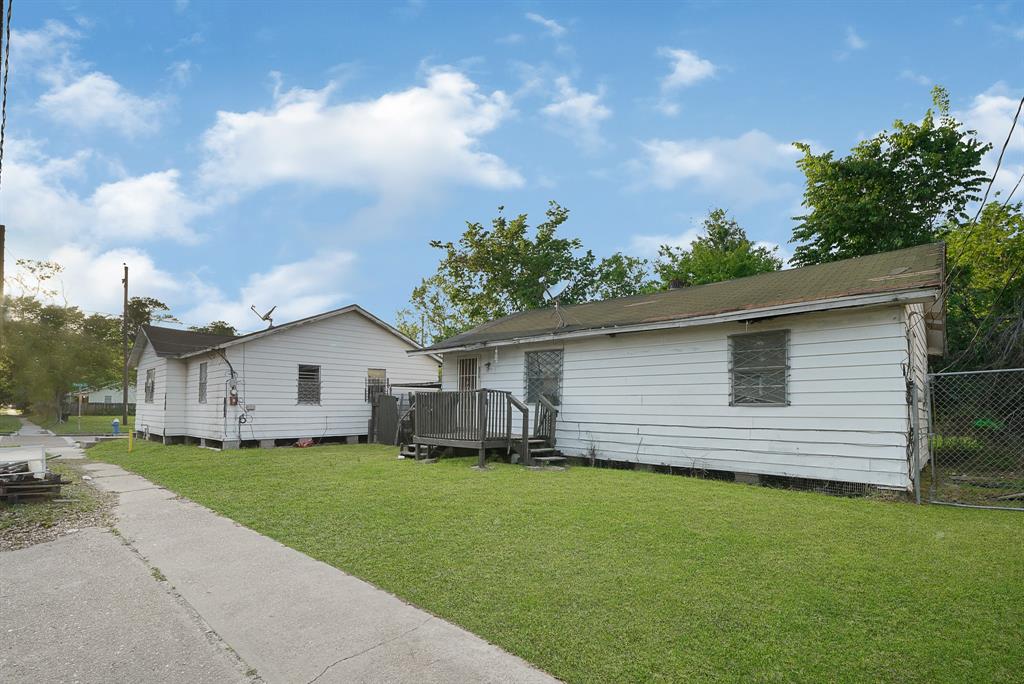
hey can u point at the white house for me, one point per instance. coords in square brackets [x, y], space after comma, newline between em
[109, 395]
[805, 372]
[312, 378]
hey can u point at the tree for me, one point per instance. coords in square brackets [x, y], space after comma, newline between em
[215, 328]
[49, 348]
[894, 190]
[722, 252]
[496, 271]
[147, 311]
[985, 300]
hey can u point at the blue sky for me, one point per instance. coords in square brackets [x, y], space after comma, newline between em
[303, 154]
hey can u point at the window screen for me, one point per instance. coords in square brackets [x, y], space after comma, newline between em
[467, 374]
[202, 382]
[309, 384]
[376, 383]
[544, 376]
[760, 368]
[150, 385]
[108, 399]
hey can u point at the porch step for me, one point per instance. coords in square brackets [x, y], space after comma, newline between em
[548, 460]
[542, 450]
[538, 440]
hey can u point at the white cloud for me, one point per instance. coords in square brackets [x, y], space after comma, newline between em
[180, 72]
[96, 100]
[42, 211]
[853, 40]
[746, 168]
[180, 5]
[510, 39]
[52, 41]
[647, 245]
[401, 145]
[687, 68]
[991, 114]
[579, 114]
[917, 78]
[550, 25]
[298, 289]
[668, 108]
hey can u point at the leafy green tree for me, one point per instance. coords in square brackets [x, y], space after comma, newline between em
[48, 348]
[722, 252]
[506, 268]
[985, 300]
[894, 190]
[215, 328]
[147, 311]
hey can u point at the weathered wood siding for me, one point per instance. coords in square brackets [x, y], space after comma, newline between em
[344, 347]
[151, 415]
[917, 344]
[663, 398]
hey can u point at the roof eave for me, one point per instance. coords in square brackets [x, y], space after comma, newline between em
[898, 297]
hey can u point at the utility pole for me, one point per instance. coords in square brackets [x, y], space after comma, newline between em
[124, 345]
[3, 253]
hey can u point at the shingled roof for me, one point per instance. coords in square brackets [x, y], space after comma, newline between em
[174, 342]
[905, 270]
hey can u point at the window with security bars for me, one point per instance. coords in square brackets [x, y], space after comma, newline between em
[376, 383]
[309, 384]
[202, 382]
[467, 374]
[759, 368]
[150, 385]
[543, 371]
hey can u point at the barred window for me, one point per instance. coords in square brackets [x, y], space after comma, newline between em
[376, 383]
[309, 384]
[202, 382]
[467, 374]
[543, 371]
[108, 399]
[759, 368]
[150, 385]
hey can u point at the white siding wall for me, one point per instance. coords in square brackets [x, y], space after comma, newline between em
[663, 398]
[344, 347]
[151, 415]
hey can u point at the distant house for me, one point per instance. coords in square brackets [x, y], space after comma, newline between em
[803, 373]
[311, 378]
[96, 400]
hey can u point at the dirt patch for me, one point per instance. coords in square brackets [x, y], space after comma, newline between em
[79, 505]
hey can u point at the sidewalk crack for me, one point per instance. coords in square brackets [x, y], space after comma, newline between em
[370, 648]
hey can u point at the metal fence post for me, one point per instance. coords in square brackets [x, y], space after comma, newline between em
[915, 430]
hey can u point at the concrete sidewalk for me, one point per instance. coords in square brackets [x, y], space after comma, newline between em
[292, 618]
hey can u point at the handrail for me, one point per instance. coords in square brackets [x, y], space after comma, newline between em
[547, 415]
[409, 413]
[525, 411]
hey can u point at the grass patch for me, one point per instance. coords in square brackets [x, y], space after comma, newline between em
[39, 520]
[610, 575]
[9, 424]
[90, 425]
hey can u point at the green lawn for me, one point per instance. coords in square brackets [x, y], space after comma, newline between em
[90, 425]
[610, 575]
[9, 424]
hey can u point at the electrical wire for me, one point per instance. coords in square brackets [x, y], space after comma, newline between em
[7, 66]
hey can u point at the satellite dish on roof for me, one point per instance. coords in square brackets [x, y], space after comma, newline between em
[554, 299]
[266, 317]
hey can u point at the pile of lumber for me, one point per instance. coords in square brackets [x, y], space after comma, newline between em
[29, 477]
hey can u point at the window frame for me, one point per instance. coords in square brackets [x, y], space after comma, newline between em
[460, 375]
[150, 386]
[557, 401]
[376, 384]
[785, 368]
[319, 384]
[204, 377]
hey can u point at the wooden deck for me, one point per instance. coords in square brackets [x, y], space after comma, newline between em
[481, 419]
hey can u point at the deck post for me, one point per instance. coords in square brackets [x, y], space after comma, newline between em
[481, 399]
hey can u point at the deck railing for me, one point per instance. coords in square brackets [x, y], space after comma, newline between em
[477, 416]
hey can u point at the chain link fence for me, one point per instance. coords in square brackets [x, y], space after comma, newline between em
[976, 439]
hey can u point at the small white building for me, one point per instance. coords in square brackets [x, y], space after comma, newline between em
[311, 378]
[109, 396]
[803, 373]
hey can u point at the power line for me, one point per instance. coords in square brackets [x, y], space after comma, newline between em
[7, 67]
